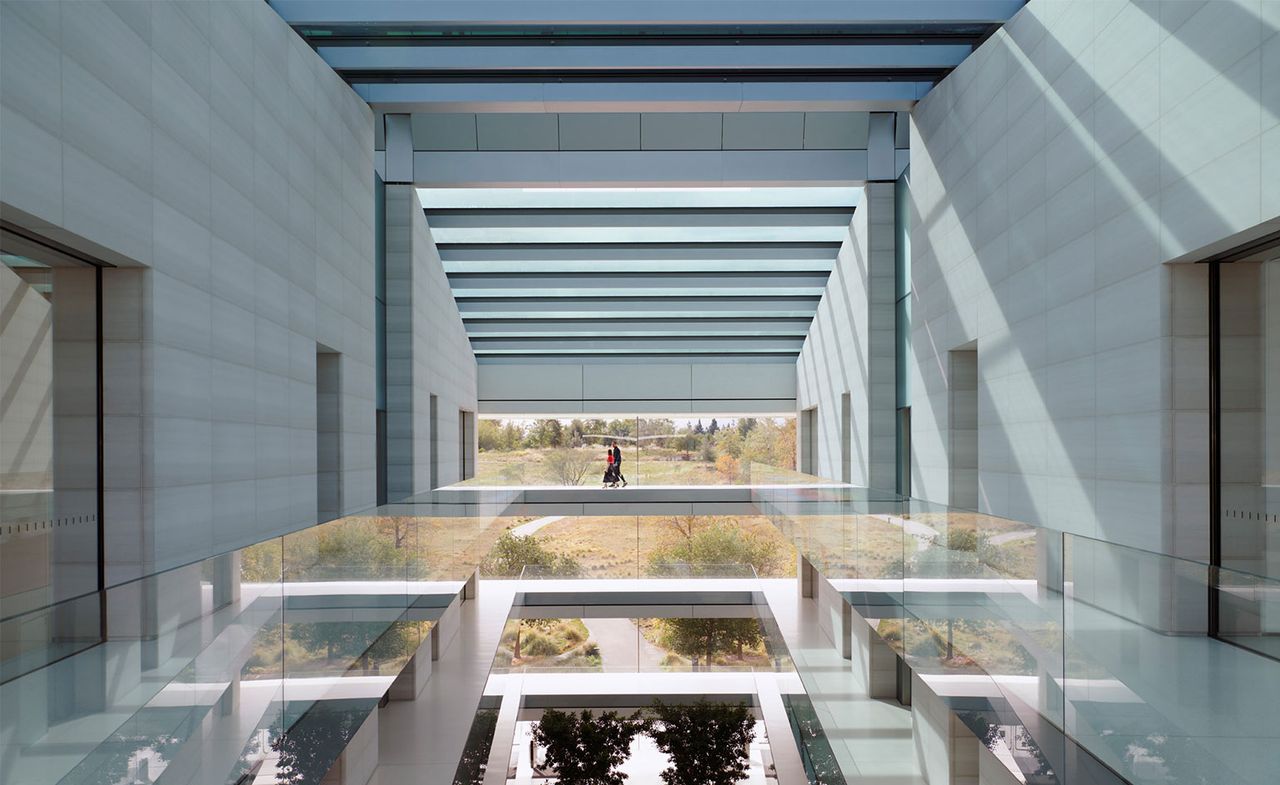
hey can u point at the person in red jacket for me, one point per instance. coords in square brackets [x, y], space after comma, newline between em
[610, 471]
[617, 465]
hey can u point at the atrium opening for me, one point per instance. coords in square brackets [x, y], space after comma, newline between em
[824, 392]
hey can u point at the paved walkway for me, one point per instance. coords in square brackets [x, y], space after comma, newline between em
[526, 529]
[925, 535]
[1001, 539]
[622, 647]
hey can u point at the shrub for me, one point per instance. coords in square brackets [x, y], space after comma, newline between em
[512, 553]
[571, 634]
[535, 644]
[719, 544]
[728, 467]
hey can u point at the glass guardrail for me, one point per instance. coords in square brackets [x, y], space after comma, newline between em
[254, 666]
[1069, 639]
[587, 467]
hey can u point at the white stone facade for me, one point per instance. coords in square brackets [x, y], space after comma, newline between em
[1056, 174]
[209, 153]
[428, 353]
[850, 350]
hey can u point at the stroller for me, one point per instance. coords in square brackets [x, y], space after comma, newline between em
[610, 472]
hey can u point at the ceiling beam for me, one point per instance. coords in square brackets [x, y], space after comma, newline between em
[642, 96]
[426, 61]
[747, 13]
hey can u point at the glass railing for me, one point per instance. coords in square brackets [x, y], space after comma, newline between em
[1046, 643]
[615, 643]
[254, 666]
[655, 451]
[587, 466]
[739, 638]
[640, 546]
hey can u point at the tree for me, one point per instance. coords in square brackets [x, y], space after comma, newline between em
[350, 642]
[745, 425]
[702, 639]
[683, 526]
[657, 427]
[707, 743]
[541, 625]
[698, 428]
[350, 549]
[784, 455]
[621, 428]
[545, 433]
[308, 749]
[689, 442]
[586, 749]
[475, 753]
[713, 546]
[729, 442]
[728, 467]
[489, 435]
[512, 436]
[512, 553]
[713, 427]
[815, 751]
[773, 442]
[569, 466]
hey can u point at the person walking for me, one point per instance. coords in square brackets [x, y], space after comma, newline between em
[617, 465]
[610, 471]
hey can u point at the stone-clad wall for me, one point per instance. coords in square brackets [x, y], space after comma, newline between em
[428, 353]
[1055, 174]
[209, 152]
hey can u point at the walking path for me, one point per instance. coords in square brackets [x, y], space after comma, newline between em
[1001, 539]
[924, 535]
[526, 529]
[622, 647]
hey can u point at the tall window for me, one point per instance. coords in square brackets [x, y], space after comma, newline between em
[1245, 419]
[50, 420]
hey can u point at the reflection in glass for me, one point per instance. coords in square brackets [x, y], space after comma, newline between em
[677, 546]
[655, 451]
[673, 644]
[48, 455]
[1250, 444]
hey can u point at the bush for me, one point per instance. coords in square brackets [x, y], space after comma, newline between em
[512, 553]
[569, 466]
[535, 644]
[719, 544]
[728, 467]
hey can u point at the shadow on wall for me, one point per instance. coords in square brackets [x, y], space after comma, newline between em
[1074, 203]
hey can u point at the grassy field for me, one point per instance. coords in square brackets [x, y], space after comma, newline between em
[868, 546]
[653, 466]
[621, 547]
[976, 646]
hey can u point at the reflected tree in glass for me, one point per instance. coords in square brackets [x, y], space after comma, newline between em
[708, 743]
[586, 749]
